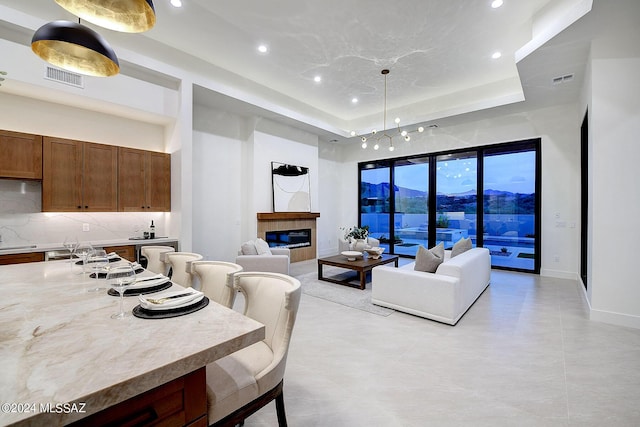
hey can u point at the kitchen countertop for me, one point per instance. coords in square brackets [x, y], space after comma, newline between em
[60, 345]
[44, 247]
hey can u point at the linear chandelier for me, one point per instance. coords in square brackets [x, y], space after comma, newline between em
[377, 136]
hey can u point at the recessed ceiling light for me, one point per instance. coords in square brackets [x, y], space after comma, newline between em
[317, 79]
[354, 100]
[263, 48]
[496, 3]
[496, 55]
[176, 3]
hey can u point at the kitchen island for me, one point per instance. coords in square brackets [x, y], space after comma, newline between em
[64, 358]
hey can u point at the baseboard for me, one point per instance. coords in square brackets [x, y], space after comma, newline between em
[618, 319]
[559, 274]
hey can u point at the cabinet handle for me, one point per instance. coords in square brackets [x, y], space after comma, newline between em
[79, 207]
[86, 207]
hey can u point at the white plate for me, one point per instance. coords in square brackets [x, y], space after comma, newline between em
[186, 301]
[157, 279]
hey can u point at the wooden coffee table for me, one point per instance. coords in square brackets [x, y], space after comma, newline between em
[360, 265]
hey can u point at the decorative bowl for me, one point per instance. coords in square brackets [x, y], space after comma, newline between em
[375, 252]
[352, 255]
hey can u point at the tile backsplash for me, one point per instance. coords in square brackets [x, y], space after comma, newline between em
[22, 223]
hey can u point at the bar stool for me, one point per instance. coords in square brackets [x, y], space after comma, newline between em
[152, 254]
[180, 263]
[216, 280]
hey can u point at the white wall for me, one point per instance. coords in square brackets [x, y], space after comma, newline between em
[614, 127]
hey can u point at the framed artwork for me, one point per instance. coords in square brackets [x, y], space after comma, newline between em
[291, 188]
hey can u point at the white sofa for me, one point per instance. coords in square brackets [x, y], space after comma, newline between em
[443, 296]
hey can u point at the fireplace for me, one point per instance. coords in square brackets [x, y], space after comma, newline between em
[289, 238]
[295, 230]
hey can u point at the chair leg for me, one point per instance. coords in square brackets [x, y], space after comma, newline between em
[282, 416]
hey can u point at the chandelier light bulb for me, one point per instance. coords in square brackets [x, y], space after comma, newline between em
[364, 139]
[353, 133]
[397, 120]
[364, 144]
[420, 129]
[407, 138]
[375, 147]
[373, 132]
[403, 133]
[391, 148]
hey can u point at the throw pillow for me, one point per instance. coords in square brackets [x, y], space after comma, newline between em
[429, 260]
[249, 248]
[262, 247]
[461, 246]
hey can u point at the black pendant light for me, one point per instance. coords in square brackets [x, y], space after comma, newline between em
[128, 16]
[74, 47]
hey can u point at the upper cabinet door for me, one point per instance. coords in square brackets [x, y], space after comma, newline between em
[158, 182]
[131, 180]
[20, 155]
[144, 181]
[100, 178]
[62, 175]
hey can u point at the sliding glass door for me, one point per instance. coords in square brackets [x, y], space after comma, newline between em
[456, 197]
[375, 201]
[411, 197]
[509, 212]
[490, 194]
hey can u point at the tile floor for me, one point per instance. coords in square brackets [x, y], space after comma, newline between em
[525, 354]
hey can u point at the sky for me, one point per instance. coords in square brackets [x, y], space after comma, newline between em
[514, 172]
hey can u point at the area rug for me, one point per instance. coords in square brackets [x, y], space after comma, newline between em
[340, 294]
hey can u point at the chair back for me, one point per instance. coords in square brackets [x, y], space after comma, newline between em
[152, 254]
[271, 299]
[216, 280]
[180, 263]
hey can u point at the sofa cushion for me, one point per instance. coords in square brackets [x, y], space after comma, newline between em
[429, 260]
[461, 246]
[249, 248]
[262, 247]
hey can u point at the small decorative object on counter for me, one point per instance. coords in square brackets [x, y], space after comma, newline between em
[152, 231]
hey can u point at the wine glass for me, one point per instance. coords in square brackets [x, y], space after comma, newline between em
[82, 251]
[97, 261]
[70, 244]
[119, 278]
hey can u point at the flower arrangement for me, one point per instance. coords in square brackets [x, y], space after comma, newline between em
[355, 232]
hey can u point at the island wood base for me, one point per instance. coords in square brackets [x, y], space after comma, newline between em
[181, 402]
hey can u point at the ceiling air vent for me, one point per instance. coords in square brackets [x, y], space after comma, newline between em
[62, 76]
[562, 79]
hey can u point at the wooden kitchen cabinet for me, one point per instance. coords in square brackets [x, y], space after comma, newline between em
[127, 252]
[21, 258]
[79, 176]
[144, 181]
[20, 155]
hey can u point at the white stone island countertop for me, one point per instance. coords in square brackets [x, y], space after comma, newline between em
[59, 345]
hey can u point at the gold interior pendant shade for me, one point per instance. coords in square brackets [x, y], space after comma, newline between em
[74, 47]
[128, 16]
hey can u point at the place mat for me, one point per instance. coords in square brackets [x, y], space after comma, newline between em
[141, 291]
[104, 275]
[143, 313]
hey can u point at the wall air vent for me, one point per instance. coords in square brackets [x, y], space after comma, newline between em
[62, 76]
[562, 79]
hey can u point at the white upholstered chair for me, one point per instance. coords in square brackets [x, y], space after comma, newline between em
[180, 263]
[277, 262]
[243, 382]
[216, 280]
[152, 254]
